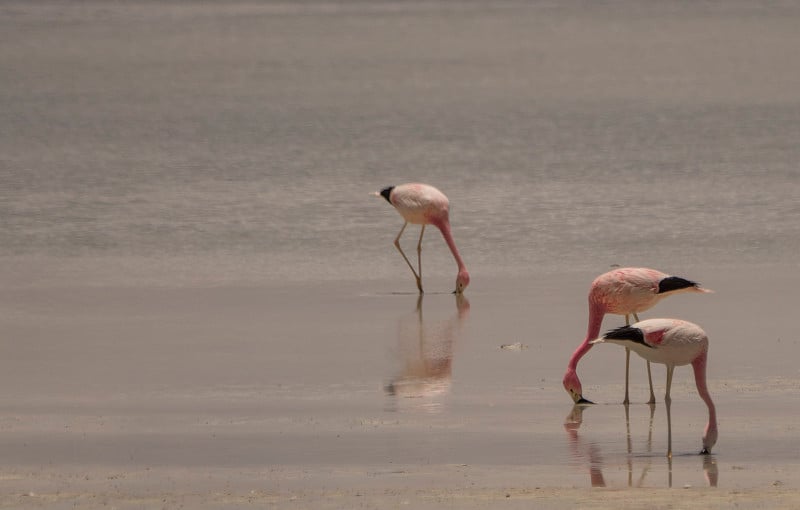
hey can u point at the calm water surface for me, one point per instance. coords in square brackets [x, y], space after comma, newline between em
[187, 143]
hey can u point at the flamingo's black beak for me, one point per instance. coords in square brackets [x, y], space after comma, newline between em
[578, 398]
[705, 451]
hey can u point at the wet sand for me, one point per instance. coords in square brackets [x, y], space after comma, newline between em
[348, 394]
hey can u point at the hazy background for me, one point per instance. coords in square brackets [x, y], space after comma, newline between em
[195, 143]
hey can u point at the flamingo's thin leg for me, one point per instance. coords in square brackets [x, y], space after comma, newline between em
[627, 364]
[419, 254]
[668, 404]
[397, 245]
[627, 374]
[650, 379]
[670, 369]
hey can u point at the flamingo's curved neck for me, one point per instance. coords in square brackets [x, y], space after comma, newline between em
[596, 314]
[444, 227]
[699, 366]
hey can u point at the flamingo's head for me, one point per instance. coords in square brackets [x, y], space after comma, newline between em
[462, 280]
[573, 386]
[709, 438]
[676, 284]
[385, 193]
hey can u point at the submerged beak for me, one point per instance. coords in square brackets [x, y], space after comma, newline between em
[705, 451]
[578, 398]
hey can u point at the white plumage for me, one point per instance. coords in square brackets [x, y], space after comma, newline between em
[672, 342]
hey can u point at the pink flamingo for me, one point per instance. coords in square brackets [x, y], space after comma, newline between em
[671, 342]
[423, 204]
[623, 291]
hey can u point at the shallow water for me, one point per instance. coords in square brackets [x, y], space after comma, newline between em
[194, 278]
[326, 384]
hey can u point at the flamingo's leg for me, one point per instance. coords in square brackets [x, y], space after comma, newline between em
[627, 365]
[649, 371]
[668, 403]
[397, 245]
[419, 255]
[627, 373]
[670, 369]
[650, 380]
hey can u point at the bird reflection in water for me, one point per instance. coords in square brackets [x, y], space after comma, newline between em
[583, 452]
[425, 352]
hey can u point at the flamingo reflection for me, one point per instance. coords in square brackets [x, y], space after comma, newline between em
[584, 451]
[426, 354]
[589, 453]
[629, 441]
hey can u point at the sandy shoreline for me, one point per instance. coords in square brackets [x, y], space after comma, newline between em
[509, 497]
[441, 486]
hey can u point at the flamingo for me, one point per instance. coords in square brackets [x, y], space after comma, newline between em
[623, 291]
[671, 342]
[422, 204]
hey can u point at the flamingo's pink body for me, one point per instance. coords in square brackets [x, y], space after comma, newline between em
[422, 204]
[623, 291]
[671, 342]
